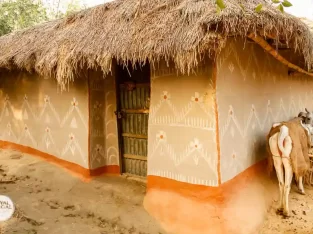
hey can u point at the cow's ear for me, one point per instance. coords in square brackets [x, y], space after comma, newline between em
[307, 110]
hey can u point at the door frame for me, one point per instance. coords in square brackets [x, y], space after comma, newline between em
[119, 120]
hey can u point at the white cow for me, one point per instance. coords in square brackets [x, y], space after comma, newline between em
[281, 144]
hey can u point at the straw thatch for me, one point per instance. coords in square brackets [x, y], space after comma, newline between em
[308, 22]
[137, 30]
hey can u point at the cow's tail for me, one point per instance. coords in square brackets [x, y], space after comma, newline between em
[284, 132]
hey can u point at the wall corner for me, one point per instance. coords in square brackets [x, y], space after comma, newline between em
[218, 148]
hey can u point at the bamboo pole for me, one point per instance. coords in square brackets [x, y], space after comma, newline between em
[259, 40]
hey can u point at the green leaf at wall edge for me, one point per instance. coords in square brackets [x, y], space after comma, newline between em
[281, 8]
[259, 8]
[286, 3]
[275, 1]
[218, 10]
[220, 4]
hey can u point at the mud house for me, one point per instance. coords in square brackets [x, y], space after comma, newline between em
[172, 91]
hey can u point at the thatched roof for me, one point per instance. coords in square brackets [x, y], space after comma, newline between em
[136, 30]
[308, 22]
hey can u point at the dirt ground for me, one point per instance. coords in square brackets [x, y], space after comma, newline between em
[50, 200]
[301, 219]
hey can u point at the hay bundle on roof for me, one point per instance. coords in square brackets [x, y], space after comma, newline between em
[136, 30]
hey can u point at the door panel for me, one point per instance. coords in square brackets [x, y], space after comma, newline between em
[134, 109]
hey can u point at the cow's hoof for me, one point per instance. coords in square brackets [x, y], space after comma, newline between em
[286, 215]
[280, 211]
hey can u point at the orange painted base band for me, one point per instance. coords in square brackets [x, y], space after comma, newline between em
[237, 206]
[77, 170]
[205, 193]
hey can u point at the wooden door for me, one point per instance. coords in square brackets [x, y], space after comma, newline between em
[133, 114]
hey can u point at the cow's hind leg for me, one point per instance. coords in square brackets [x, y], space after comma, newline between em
[300, 185]
[278, 164]
[288, 180]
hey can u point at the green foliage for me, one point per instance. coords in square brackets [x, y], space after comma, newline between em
[73, 6]
[220, 4]
[280, 7]
[258, 8]
[4, 27]
[19, 14]
[286, 3]
[281, 4]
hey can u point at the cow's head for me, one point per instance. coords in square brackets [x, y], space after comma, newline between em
[307, 117]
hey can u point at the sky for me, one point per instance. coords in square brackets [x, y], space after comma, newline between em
[300, 8]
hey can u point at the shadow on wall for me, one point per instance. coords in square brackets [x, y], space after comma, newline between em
[260, 151]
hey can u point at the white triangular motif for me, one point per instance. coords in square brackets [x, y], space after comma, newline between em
[72, 148]
[73, 123]
[162, 151]
[47, 119]
[232, 132]
[48, 142]
[25, 114]
[196, 158]
[7, 112]
[253, 126]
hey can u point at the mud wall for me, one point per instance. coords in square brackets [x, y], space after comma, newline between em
[103, 125]
[181, 132]
[253, 91]
[34, 113]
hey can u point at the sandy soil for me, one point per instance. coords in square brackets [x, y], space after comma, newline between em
[50, 200]
[301, 220]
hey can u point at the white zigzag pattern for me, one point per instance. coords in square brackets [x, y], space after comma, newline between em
[268, 119]
[179, 117]
[49, 105]
[189, 151]
[26, 105]
[72, 145]
[265, 71]
[8, 133]
[68, 114]
[183, 178]
[26, 133]
[47, 139]
[7, 104]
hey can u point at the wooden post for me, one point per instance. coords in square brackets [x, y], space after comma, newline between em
[259, 40]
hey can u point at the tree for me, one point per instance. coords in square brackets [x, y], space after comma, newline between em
[19, 14]
[280, 4]
[60, 8]
[74, 6]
